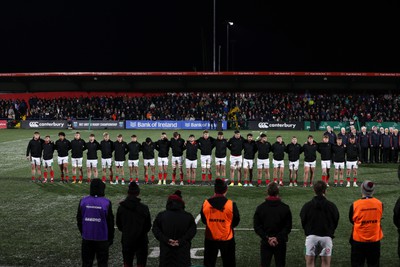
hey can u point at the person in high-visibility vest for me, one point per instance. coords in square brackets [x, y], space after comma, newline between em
[221, 216]
[365, 214]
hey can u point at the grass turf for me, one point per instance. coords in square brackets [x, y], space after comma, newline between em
[39, 226]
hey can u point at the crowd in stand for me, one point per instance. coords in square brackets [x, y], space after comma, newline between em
[261, 106]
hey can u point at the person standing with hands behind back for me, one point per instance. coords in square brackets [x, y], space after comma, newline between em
[95, 220]
[175, 228]
[273, 223]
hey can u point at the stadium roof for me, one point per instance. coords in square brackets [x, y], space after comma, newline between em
[196, 81]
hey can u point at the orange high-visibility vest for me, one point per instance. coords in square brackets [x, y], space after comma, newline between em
[367, 214]
[218, 221]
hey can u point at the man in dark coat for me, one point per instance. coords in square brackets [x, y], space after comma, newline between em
[273, 223]
[175, 228]
[134, 222]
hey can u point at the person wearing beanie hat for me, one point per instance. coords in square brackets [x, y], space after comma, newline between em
[174, 228]
[95, 220]
[134, 222]
[272, 221]
[365, 214]
[221, 216]
[148, 148]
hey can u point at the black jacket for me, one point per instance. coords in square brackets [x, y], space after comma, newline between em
[310, 151]
[134, 149]
[206, 145]
[162, 146]
[220, 147]
[120, 150]
[191, 150]
[250, 149]
[273, 218]
[353, 152]
[396, 214]
[63, 147]
[92, 148]
[177, 224]
[235, 145]
[134, 222]
[177, 146]
[339, 153]
[35, 148]
[319, 217]
[77, 148]
[263, 149]
[294, 151]
[325, 149]
[107, 148]
[278, 150]
[148, 150]
[48, 150]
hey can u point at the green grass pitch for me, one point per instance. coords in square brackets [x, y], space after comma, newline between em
[38, 225]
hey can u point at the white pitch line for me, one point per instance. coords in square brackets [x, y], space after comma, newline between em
[197, 219]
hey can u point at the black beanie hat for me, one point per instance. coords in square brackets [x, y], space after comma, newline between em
[97, 187]
[177, 196]
[133, 189]
[220, 186]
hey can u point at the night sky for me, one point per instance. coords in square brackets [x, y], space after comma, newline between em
[177, 35]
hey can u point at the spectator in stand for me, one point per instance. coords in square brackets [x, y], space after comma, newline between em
[374, 144]
[331, 134]
[363, 140]
[343, 135]
[395, 142]
[386, 146]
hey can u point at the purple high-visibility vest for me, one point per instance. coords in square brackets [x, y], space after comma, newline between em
[94, 218]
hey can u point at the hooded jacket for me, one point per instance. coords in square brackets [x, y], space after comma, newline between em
[177, 224]
[319, 217]
[134, 222]
[273, 218]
